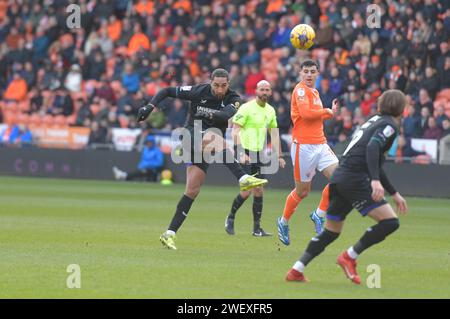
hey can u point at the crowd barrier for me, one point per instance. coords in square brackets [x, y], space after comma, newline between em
[410, 179]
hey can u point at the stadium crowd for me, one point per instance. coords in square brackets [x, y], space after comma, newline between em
[125, 51]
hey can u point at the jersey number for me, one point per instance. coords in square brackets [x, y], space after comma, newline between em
[360, 133]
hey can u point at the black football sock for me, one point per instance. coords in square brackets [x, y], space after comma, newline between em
[257, 212]
[237, 203]
[183, 207]
[317, 245]
[376, 234]
[233, 166]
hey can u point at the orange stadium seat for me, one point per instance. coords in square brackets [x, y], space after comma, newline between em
[47, 120]
[60, 121]
[9, 117]
[24, 106]
[23, 118]
[71, 119]
[34, 120]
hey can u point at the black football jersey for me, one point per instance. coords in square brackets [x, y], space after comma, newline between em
[353, 164]
[203, 101]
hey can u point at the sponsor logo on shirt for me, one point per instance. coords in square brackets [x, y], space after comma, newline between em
[388, 131]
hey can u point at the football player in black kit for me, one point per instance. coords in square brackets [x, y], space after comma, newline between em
[359, 182]
[212, 105]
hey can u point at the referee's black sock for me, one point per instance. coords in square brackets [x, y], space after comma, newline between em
[317, 245]
[376, 234]
[257, 212]
[183, 207]
[232, 164]
[237, 203]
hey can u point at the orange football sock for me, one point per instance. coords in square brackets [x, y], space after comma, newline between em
[292, 202]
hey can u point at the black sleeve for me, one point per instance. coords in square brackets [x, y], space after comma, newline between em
[162, 94]
[225, 114]
[179, 92]
[373, 159]
[188, 92]
[382, 137]
[386, 183]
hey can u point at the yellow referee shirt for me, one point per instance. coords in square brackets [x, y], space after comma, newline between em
[255, 120]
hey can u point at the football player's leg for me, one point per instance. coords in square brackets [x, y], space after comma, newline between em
[387, 224]
[195, 176]
[301, 190]
[257, 212]
[327, 164]
[213, 140]
[304, 170]
[293, 199]
[337, 211]
[237, 203]
[315, 247]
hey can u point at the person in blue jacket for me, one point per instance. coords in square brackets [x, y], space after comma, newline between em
[18, 135]
[152, 161]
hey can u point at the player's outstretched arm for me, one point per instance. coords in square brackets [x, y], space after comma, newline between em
[144, 111]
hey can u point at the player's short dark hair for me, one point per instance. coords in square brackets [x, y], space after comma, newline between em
[308, 63]
[220, 73]
[392, 102]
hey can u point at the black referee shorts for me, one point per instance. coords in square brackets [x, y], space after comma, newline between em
[254, 168]
[348, 195]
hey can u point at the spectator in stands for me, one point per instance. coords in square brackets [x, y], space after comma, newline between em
[62, 104]
[375, 70]
[16, 135]
[84, 112]
[433, 131]
[424, 116]
[16, 90]
[97, 135]
[411, 123]
[150, 165]
[253, 78]
[445, 127]
[424, 101]
[440, 115]
[73, 79]
[431, 82]
[444, 74]
[130, 79]
[324, 35]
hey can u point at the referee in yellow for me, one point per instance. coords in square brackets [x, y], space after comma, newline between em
[251, 123]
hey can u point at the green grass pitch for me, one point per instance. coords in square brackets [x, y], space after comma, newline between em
[111, 230]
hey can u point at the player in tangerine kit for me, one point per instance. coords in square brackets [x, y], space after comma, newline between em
[309, 150]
